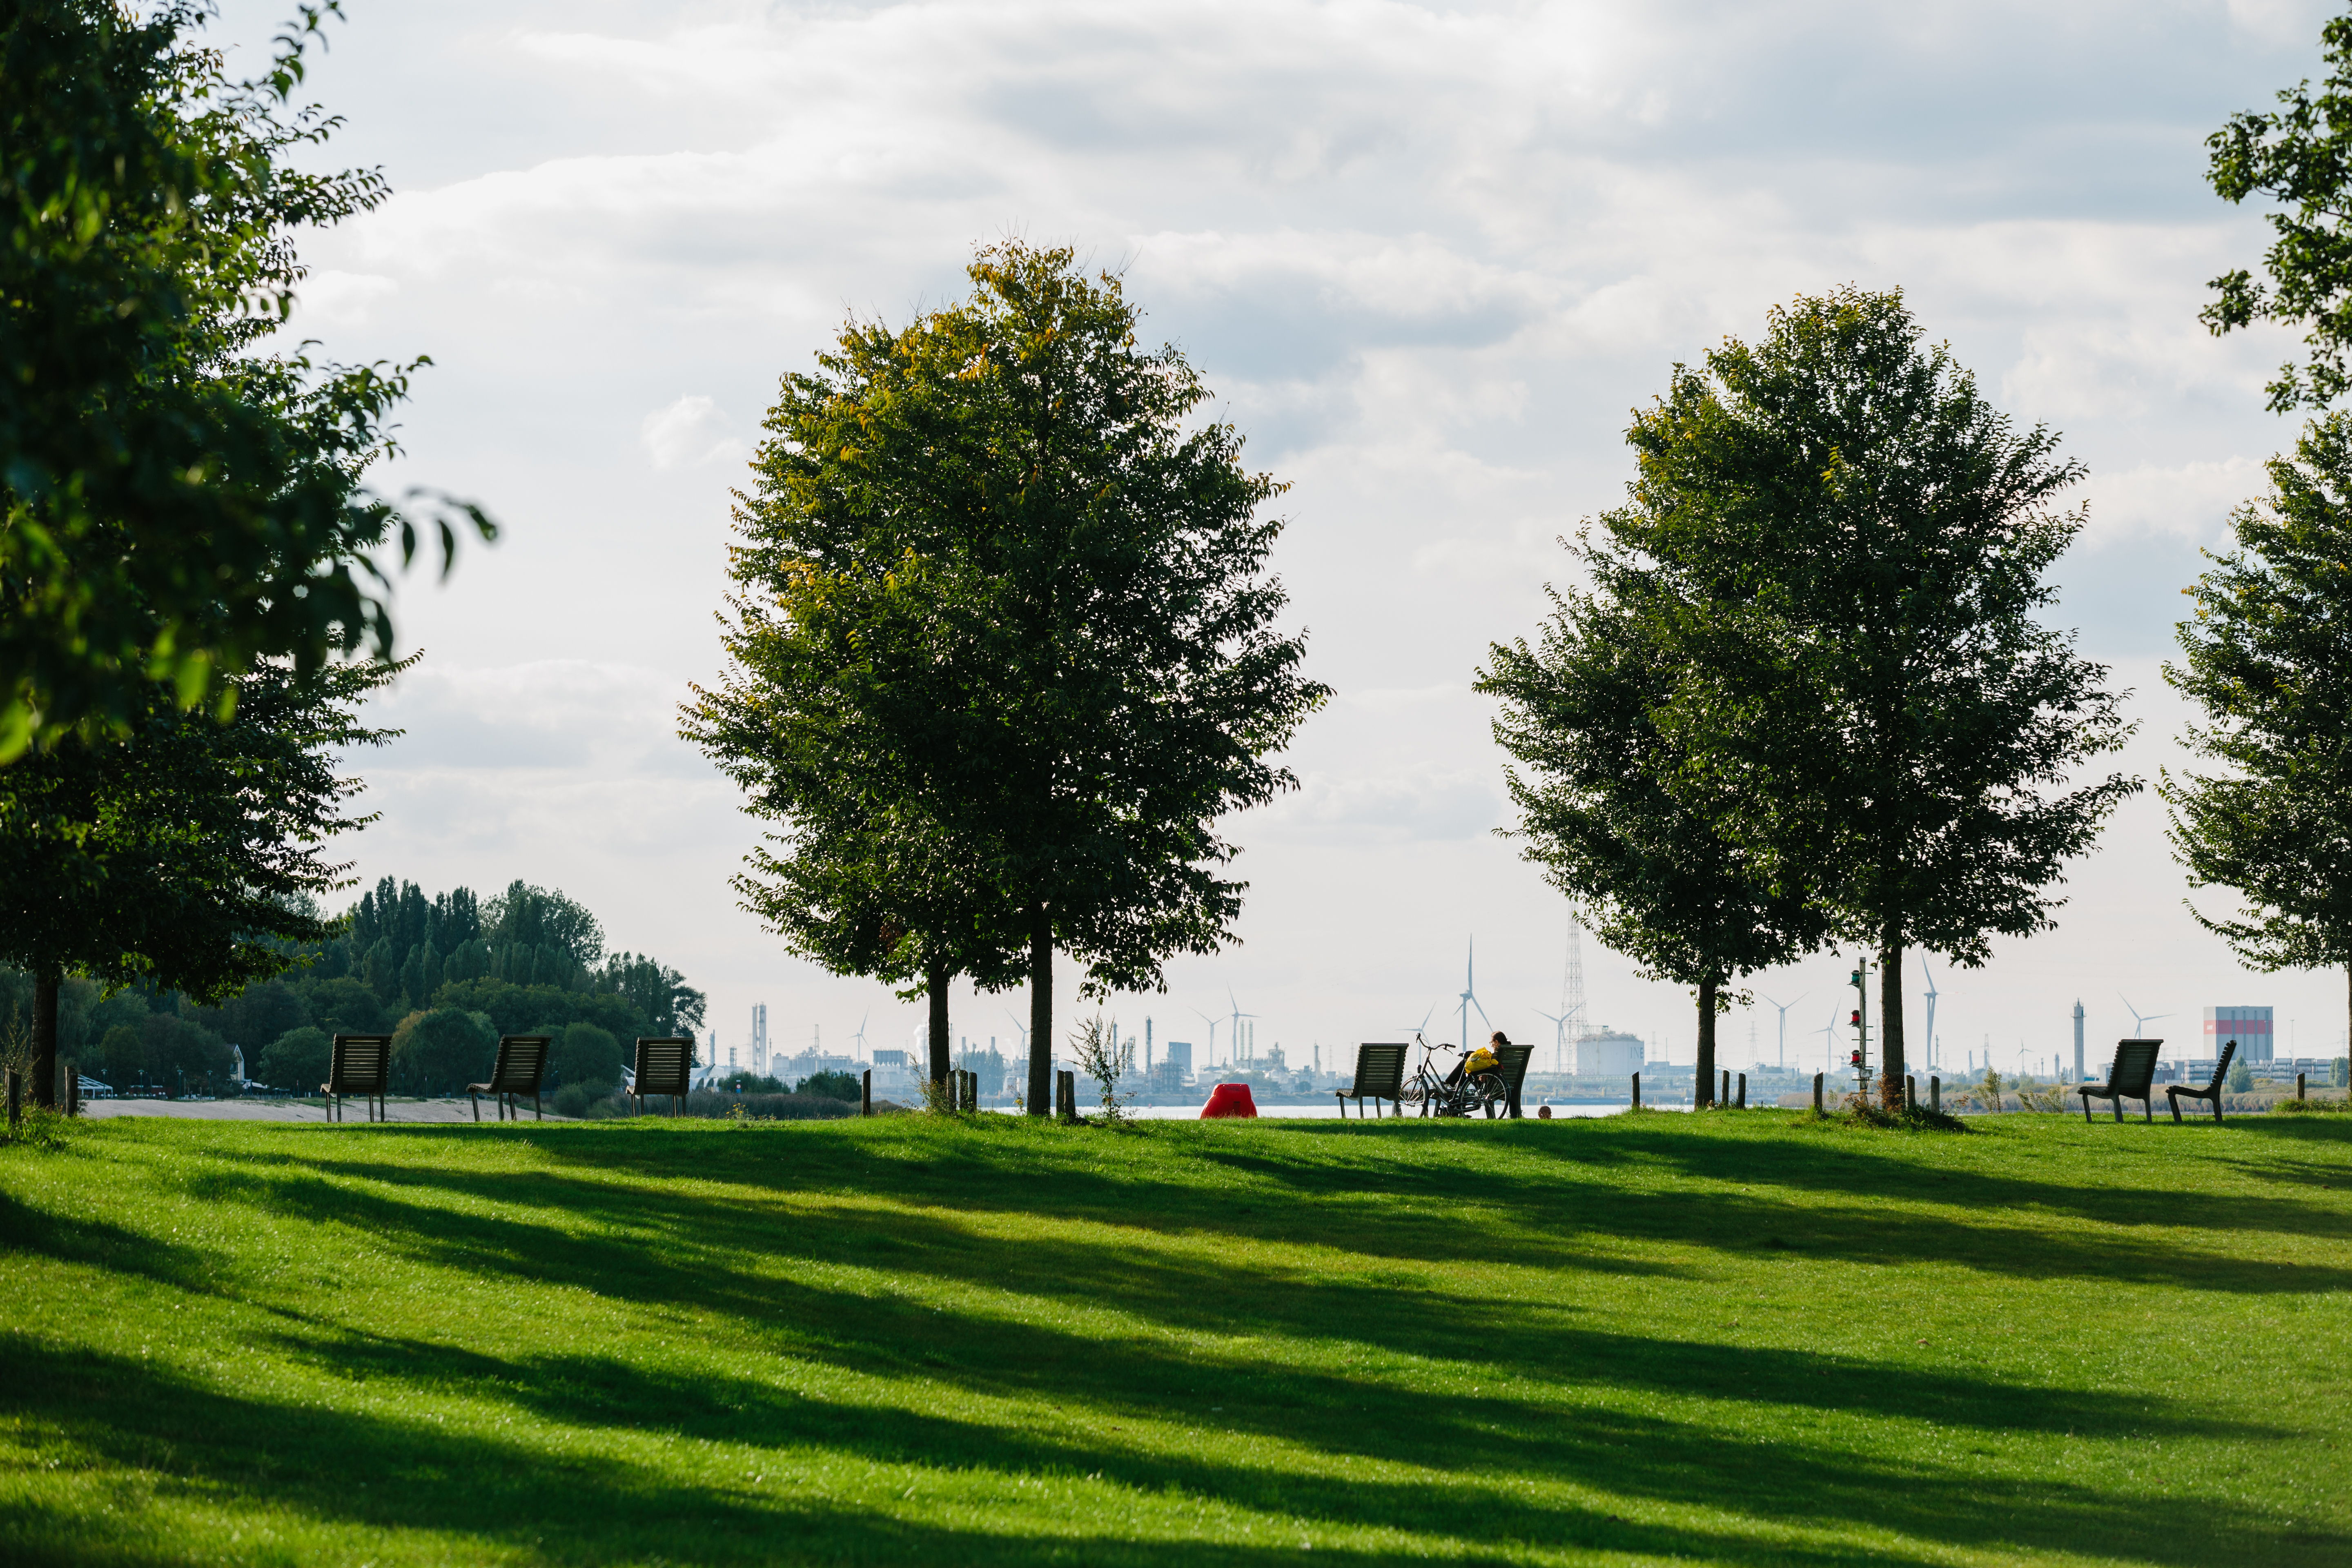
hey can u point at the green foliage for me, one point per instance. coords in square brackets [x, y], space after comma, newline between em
[2267, 659]
[829, 1085]
[179, 504]
[749, 1082]
[1844, 548]
[576, 1099]
[1002, 647]
[2301, 157]
[545, 1009]
[583, 1053]
[122, 1059]
[1613, 809]
[2242, 1077]
[344, 1006]
[298, 1061]
[442, 1051]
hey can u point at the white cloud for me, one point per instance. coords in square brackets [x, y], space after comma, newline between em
[688, 432]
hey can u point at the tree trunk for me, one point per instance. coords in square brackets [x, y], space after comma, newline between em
[1703, 1090]
[44, 1038]
[1041, 1013]
[935, 978]
[1890, 1021]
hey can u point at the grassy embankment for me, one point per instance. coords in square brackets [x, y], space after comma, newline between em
[1737, 1339]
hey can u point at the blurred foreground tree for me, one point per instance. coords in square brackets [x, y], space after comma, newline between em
[2301, 156]
[1611, 810]
[1003, 646]
[189, 854]
[178, 504]
[1842, 547]
[2268, 656]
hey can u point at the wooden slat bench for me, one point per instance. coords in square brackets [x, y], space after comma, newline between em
[361, 1065]
[664, 1066]
[519, 1069]
[2175, 1093]
[2129, 1078]
[1379, 1075]
[1511, 1063]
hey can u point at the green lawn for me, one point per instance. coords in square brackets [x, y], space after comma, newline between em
[1725, 1337]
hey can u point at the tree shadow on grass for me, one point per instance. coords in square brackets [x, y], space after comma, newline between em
[569, 1500]
[666, 1245]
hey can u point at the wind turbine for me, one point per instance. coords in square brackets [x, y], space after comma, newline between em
[860, 1035]
[1469, 997]
[1559, 1037]
[1023, 1029]
[1932, 994]
[2140, 1021]
[1233, 1041]
[1784, 1008]
[1213, 1024]
[1829, 1049]
[1425, 1018]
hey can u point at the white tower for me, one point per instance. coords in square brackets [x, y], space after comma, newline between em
[759, 1038]
[1572, 998]
[2078, 1041]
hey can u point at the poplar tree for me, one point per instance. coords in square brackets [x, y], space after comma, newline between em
[2268, 656]
[1847, 549]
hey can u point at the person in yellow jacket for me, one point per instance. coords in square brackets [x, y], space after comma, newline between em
[1483, 1059]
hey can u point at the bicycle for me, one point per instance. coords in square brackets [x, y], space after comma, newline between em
[1476, 1093]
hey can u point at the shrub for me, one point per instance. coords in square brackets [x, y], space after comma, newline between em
[296, 1060]
[749, 1082]
[576, 1099]
[771, 1107]
[122, 1057]
[830, 1085]
[2242, 1078]
[583, 1053]
[442, 1051]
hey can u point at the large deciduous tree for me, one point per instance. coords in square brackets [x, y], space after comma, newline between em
[177, 499]
[1002, 606]
[2268, 656]
[1612, 812]
[189, 854]
[1847, 548]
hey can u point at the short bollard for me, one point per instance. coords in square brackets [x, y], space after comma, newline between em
[1910, 1092]
[1065, 1095]
[1935, 1094]
[1743, 1091]
[1637, 1091]
[73, 1089]
[968, 1082]
[1817, 1094]
[866, 1092]
[1723, 1095]
[2298, 1086]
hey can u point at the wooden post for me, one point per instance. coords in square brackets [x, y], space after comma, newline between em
[1817, 1094]
[73, 1089]
[1743, 1091]
[1935, 1094]
[2298, 1086]
[1723, 1095]
[1637, 1091]
[866, 1092]
[1910, 1092]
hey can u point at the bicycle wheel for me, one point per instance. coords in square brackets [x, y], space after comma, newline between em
[1490, 1097]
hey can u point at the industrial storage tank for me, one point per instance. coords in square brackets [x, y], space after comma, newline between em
[1605, 1054]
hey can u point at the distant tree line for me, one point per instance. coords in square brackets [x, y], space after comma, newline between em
[527, 961]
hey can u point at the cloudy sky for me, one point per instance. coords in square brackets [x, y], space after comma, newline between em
[1428, 256]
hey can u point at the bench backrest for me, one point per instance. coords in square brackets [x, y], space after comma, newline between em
[665, 1066]
[2134, 1068]
[1511, 1061]
[360, 1064]
[1379, 1071]
[2221, 1067]
[522, 1064]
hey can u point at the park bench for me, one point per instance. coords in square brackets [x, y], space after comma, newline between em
[520, 1066]
[2175, 1093]
[2129, 1078]
[665, 1066]
[361, 1065]
[1379, 1075]
[1511, 1063]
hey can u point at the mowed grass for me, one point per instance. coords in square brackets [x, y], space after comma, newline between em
[1717, 1338]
